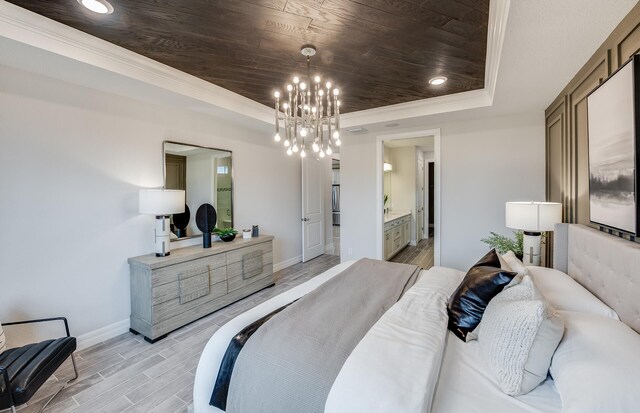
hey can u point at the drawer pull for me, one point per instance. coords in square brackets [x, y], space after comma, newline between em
[251, 264]
[194, 287]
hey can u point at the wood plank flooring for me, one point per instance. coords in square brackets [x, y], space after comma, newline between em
[127, 374]
[420, 255]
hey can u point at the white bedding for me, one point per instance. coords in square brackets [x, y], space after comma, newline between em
[383, 373]
[395, 366]
[466, 385]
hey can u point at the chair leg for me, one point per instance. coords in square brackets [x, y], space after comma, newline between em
[75, 370]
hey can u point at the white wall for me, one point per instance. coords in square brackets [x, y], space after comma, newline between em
[72, 161]
[484, 163]
[403, 182]
[419, 177]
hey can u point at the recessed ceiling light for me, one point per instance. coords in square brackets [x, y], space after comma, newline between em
[438, 80]
[97, 6]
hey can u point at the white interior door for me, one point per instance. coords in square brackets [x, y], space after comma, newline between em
[420, 200]
[312, 210]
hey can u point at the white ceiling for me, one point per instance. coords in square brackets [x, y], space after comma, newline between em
[546, 43]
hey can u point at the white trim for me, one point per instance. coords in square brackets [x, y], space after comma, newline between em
[102, 334]
[498, 16]
[433, 106]
[379, 189]
[437, 198]
[33, 29]
[287, 263]
[113, 330]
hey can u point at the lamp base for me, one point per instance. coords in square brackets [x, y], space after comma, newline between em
[163, 239]
[531, 248]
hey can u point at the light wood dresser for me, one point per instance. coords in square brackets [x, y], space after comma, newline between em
[170, 292]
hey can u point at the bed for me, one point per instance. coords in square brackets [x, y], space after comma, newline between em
[407, 363]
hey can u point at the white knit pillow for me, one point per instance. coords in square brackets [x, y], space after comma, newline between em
[3, 341]
[518, 335]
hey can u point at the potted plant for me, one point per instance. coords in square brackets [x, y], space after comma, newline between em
[227, 234]
[504, 244]
[384, 205]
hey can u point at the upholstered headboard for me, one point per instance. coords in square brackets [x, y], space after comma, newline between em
[604, 264]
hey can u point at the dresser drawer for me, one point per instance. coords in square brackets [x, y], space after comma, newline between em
[173, 273]
[247, 265]
[189, 285]
[177, 306]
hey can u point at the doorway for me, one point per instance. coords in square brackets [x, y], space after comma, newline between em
[430, 198]
[408, 187]
[405, 189]
[313, 220]
[335, 206]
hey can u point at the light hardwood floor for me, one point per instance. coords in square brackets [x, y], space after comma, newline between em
[420, 255]
[127, 374]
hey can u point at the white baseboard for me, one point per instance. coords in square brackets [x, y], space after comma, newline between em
[105, 333]
[102, 334]
[328, 249]
[287, 263]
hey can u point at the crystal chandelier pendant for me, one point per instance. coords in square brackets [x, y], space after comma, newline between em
[309, 114]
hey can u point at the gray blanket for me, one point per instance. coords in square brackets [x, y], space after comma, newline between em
[291, 362]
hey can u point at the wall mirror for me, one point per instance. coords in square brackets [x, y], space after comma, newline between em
[205, 174]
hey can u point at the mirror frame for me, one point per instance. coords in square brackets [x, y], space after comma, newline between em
[164, 179]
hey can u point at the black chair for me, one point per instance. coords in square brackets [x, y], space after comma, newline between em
[25, 369]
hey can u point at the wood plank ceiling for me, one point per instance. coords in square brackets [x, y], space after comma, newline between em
[380, 52]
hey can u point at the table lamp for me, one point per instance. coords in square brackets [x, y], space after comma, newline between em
[532, 218]
[162, 203]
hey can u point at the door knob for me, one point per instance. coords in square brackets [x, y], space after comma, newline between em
[305, 219]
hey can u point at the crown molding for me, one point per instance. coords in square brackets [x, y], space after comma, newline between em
[425, 107]
[30, 28]
[498, 16]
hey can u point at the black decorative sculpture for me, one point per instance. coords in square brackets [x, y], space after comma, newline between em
[206, 218]
[181, 221]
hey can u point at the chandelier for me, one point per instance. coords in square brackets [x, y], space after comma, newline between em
[309, 112]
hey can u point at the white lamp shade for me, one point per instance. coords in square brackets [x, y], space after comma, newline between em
[161, 201]
[387, 167]
[533, 216]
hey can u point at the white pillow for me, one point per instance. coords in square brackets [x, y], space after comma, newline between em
[515, 264]
[3, 340]
[503, 263]
[596, 368]
[566, 294]
[517, 337]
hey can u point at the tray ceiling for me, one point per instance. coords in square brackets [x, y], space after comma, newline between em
[380, 52]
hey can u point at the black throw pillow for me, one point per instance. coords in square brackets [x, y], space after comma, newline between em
[467, 303]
